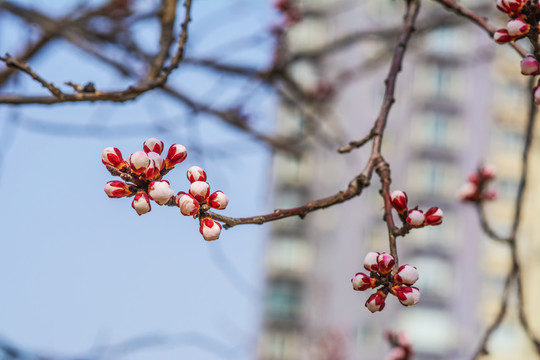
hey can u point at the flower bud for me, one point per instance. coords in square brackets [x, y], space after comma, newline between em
[153, 145]
[530, 66]
[160, 191]
[139, 161]
[415, 218]
[490, 195]
[210, 229]
[467, 191]
[488, 172]
[370, 261]
[199, 190]
[536, 94]
[195, 173]
[399, 201]
[187, 204]
[157, 159]
[406, 274]
[111, 156]
[433, 216]
[177, 153]
[502, 36]
[385, 262]
[117, 189]
[517, 27]
[376, 301]
[218, 200]
[151, 171]
[361, 282]
[141, 203]
[407, 295]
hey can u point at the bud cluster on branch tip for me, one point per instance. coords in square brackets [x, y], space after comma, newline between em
[475, 189]
[401, 346]
[142, 174]
[414, 217]
[380, 276]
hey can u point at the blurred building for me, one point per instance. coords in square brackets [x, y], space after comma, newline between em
[452, 112]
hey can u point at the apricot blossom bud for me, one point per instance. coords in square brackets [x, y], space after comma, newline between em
[199, 190]
[376, 301]
[370, 261]
[399, 201]
[210, 229]
[433, 216]
[139, 161]
[153, 145]
[176, 154]
[517, 27]
[361, 282]
[160, 191]
[488, 171]
[502, 36]
[187, 204]
[218, 200]
[406, 274]
[385, 262]
[151, 171]
[117, 189]
[141, 203]
[407, 295]
[111, 156]
[157, 159]
[529, 65]
[467, 191]
[415, 218]
[195, 173]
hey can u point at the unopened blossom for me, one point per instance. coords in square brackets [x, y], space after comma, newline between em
[502, 36]
[376, 301]
[361, 282]
[157, 159]
[385, 263]
[415, 218]
[407, 295]
[138, 162]
[399, 201]
[195, 173]
[406, 274]
[210, 229]
[529, 65]
[153, 145]
[467, 191]
[111, 156]
[117, 189]
[218, 200]
[176, 154]
[187, 204]
[151, 171]
[141, 203]
[517, 27]
[510, 6]
[160, 191]
[370, 261]
[200, 190]
[434, 216]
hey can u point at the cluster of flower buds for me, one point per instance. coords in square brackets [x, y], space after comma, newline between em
[475, 189]
[399, 284]
[517, 27]
[414, 217]
[290, 11]
[142, 176]
[401, 346]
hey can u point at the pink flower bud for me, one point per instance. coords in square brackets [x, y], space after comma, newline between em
[111, 156]
[151, 171]
[160, 191]
[517, 27]
[415, 218]
[406, 274]
[157, 159]
[407, 295]
[502, 36]
[433, 216]
[488, 172]
[177, 153]
[361, 282]
[490, 195]
[385, 262]
[117, 189]
[210, 229]
[139, 161]
[467, 191]
[370, 261]
[187, 204]
[399, 201]
[376, 301]
[195, 173]
[510, 6]
[199, 190]
[502, 6]
[530, 66]
[218, 200]
[141, 203]
[153, 145]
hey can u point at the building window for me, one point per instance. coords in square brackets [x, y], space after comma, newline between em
[289, 256]
[283, 300]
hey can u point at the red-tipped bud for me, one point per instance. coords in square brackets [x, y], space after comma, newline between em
[160, 191]
[210, 229]
[187, 204]
[195, 173]
[407, 295]
[517, 27]
[467, 191]
[433, 216]
[376, 301]
[218, 200]
[415, 218]
[138, 162]
[370, 261]
[502, 36]
[199, 190]
[536, 94]
[406, 274]
[385, 263]
[158, 160]
[399, 201]
[177, 153]
[361, 282]
[111, 156]
[117, 189]
[151, 171]
[510, 7]
[530, 66]
[141, 203]
[153, 145]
